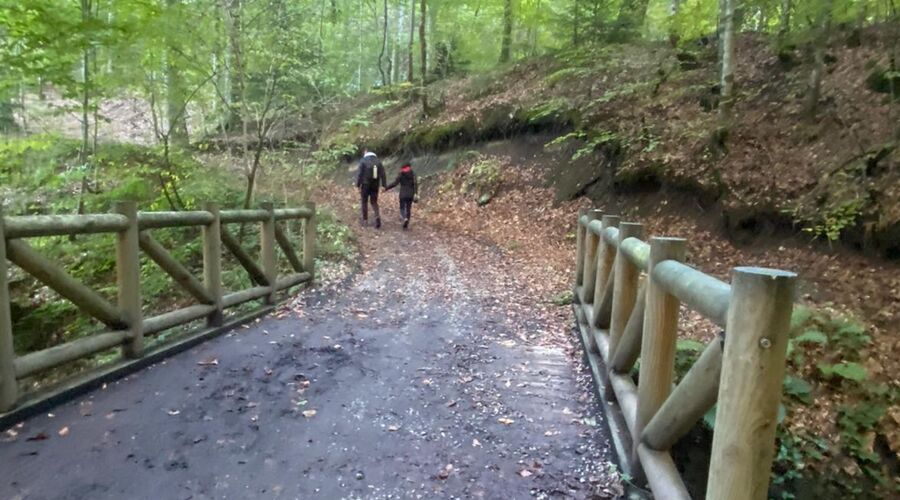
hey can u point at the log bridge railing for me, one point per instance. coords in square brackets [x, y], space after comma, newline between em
[628, 295]
[127, 326]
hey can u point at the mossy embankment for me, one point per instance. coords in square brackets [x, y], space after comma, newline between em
[641, 117]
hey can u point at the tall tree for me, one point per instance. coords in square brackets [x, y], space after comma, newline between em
[814, 87]
[410, 70]
[175, 115]
[726, 83]
[385, 80]
[507, 32]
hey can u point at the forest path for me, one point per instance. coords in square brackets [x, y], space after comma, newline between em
[414, 379]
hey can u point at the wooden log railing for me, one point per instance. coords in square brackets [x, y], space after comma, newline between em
[628, 294]
[132, 229]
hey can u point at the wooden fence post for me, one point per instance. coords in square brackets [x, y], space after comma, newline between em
[579, 249]
[267, 245]
[606, 255]
[753, 366]
[212, 263]
[9, 387]
[589, 271]
[660, 334]
[309, 243]
[626, 276]
[128, 277]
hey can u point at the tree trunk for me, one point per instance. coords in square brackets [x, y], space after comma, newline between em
[410, 70]
[814, 88]
[423, 50]
[507, 32]
[384, 37]
[85, 152]
[234, 26]
[784, 24]
[176, 120]
[576, 20]
[727, 69]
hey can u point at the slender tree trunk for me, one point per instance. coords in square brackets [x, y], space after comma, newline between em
[727, 71]
[176, 120]
[423, 44]
[814, 88]
[85, 152]
[384, 37]
[576, 21]
[235, 28]
[410, 70]
[507, 32]
[784, 23]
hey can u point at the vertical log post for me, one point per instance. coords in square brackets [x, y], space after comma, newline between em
[579, 249]
[750, 390]
[606, 255]
[589, 270]
[128, 278]
[267, 245]
[9, 388]
[212, 263]
[309, 242]
[660, 334]
[626, 277]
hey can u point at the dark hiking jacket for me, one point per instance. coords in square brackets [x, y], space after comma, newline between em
[409, 186]
[371, 173]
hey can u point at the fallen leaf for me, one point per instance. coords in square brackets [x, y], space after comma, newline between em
[309, 413]
[64, 432]
[38, 437]
[505, 421]
[173, 412]
[445, 472]
[393, 428]
[476, 443]
[209, 362]
[525, 473]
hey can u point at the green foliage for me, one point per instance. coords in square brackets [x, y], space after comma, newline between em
[334, 238]
[833, 220]
[484, 178]
[563, 298]
[798, 388]
[687, 352]
[845, 370]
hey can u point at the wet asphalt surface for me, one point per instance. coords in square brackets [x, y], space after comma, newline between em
[402, 384]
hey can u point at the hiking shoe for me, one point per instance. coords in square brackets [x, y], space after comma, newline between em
[377, 223]
[405, 223]
[364, 222]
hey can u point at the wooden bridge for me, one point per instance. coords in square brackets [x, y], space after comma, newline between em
[127, 326]
[628, 296]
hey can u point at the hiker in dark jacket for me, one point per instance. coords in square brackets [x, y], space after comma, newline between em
[369, 178]
[409, 192]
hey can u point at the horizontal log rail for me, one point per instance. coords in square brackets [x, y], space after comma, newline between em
[628, 293]
[132, 230]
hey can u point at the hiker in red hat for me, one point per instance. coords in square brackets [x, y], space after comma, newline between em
[409, 191]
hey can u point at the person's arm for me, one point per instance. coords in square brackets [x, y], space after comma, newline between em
[382, 174]
[415, 187]
[393, 184]
[359, 175]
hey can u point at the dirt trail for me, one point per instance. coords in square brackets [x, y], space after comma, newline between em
[415, 379]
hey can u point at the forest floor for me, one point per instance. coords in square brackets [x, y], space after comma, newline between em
[432, 371]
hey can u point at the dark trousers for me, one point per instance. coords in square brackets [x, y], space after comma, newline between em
[369, 195]
[406, 208]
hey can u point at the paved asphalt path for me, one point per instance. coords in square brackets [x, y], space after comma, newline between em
[403, 383]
